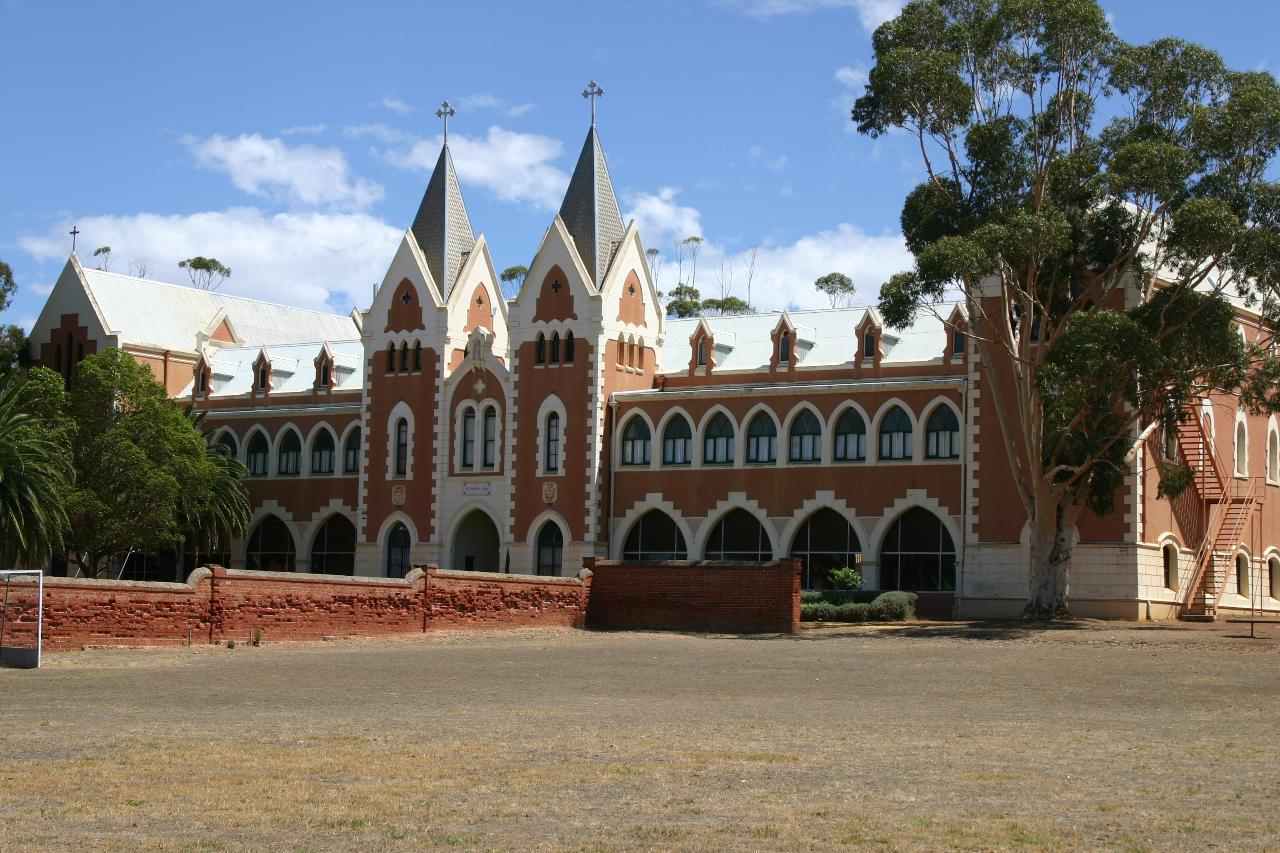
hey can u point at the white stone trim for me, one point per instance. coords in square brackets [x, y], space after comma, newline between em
[734, 500]
[651, 501]
[400, 410]
[822, 500]
[552, 403]
[873, 432]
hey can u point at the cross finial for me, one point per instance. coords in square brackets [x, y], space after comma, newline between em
[446, 110]
[74, 233]
[592, 91]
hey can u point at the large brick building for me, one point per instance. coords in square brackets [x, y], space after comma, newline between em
[448, 425]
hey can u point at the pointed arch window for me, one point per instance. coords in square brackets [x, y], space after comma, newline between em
[622, 350]
[806, 438]
[784, 348]
[717, 445]
[322, 452]
[1273, 571]
[417, 355]
[895, 435]
[289, 457]
[398, 545]
[655, 537]
[402, 448]
[551, 454]
[958, 341]
[351, 453]
[391, 357]
[334, 550]
[851, 437]
[762, 439]
[702, 353]
[270, 547]
[264, 378]
[555, 348]
[1170, 554]
[1273, 456]
[824, 542]
[1242, 574]
[1242, 449]
[540, 350]
[550, 549]
[635, 442]
[942, 435]
[227, 444]
[918, 554]
[568, 347]
[677, 442]
[469, 438]
[256, 455]
[869, 346]
[739, 537]
[404, 356]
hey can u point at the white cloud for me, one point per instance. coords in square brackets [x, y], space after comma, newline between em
[42, 289]
[775, 164]
[391, 102]
[661, 220]
[513, 166]
[326, 261]
[871, 13]
[307, 129]
[27, 322]
[851, 77]
[303, 174]
[493, 102]
[382, 132]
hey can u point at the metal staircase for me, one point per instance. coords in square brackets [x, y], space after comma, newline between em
[1228, 502]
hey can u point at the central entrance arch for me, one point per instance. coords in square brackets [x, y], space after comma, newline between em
[476, 544]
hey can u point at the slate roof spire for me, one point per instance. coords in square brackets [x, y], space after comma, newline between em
[590, 208]
[441, 227]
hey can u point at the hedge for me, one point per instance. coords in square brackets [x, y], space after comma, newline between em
[839, 596]
[883, 607]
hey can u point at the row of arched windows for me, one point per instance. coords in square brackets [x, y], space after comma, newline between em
[804, 439]
[399, 359]
[630, 352]
[553, 350]
[322, 458]
[917, 552]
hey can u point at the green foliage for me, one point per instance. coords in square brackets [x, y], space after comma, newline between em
[35, 469]
[15, 351]
[1174, 480]
[885, 607]
[846, 577]
[7, 285]
[205, 273]
[685, 301]
[837, 287]
[895, 606]
[725, 307]
[517, 274]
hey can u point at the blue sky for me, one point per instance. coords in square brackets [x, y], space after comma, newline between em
[293, 140]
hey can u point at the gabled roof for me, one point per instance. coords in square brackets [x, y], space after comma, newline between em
[441, 227]
[590, 210]
[171, 316]
[292, 367]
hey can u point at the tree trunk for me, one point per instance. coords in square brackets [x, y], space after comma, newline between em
[1052, 534]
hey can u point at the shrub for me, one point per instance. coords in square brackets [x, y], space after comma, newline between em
[838, 596]
[895, 606]
[845, 578]
[878, 607]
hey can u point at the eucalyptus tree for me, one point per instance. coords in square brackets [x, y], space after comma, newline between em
[1099, 206]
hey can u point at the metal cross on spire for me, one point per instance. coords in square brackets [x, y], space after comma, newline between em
[446, 110]
[74, 232]
[592, 91]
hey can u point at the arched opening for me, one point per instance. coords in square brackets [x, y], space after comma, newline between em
[490, 450]
[333, 551]
[568, 347]
[1273, 456]
[351, 453]
[256, 455]
[227, 444]
[270, 547]
[655, 537]
[738, 537]
[322, 452]
[805, 439]
[784, 348]
[635, 442]
[1273, 569]
[417, 355]
[677, 442]
[762, 439]
[476, 544]
[469, 437]
[288, 458]
[942, 434]
[1242, 450]
[540, 350]
[1242, 574]
[391, 357]
[402, 448]
[851, 437]
[824, 542]
[398, 545]
[918, 554]
[895, 435]
[555, 347]
[717, 445]
[404, 356]
[551, 442]
[550, 549]
[1170, 554]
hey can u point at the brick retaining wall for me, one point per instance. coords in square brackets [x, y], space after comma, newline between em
[752, 597]
[484, 600]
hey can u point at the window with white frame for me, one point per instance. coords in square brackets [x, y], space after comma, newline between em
[1170, 554]
[351, 453]
[677, 442]
[289, 455]
[805, 439]
[256, 455]
[942, 435]
[551, 451]
[402, 448]
[1242, 449]
[851, 437]
[762, 439]
[1242, 574]
[895, 435]
[717, 443]
[468, 442]
[1273, 456]
[635, 442]
[1273, 569]
[490, 452]
[322, 452]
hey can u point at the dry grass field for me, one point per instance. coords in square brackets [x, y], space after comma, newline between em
[926, 737]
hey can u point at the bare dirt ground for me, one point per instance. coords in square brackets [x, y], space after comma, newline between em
[920, 737]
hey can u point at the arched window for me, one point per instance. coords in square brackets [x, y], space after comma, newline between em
[333, 552]
[824, 542]
[490, 458]
[1273, 456]
[655, 537]
[1242, 574]
[202, 381]
[1273, 569]
[322, 452]
[1242, 449]
[351, 453]
[552, 450]
[958, 341]
[762, 439]
[805, 438]
[555, 347]
[622, 350]
[640, 355]
[784, 348]
[702, 352]
[1170, 554]
[264, 378]
[550, 549]
[540, 350]
[404, 356]
[391, 357]
[469, 437]
[717, 444]
[895, 435]
[256, 455]
[402, 448]
[869, 346]
[568, 347]
[289, 457]
[942, 435]
[417, 355]
[635, 442]
[918, 554]
[851, 437]
[227, 444]
[738, 537]
[398, 544]
[677, 442]
[270, 547]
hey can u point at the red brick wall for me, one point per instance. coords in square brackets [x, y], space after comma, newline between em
[694, 596]
[483, 600]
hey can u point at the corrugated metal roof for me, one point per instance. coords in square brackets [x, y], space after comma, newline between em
[590, 209]
[442, 227]
[169, 316]
[292, 367]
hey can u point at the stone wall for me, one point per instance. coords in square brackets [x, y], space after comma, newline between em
[753, 597]
[484, 600]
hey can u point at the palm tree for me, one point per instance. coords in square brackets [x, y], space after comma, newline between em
[221, 510]
[35, 475]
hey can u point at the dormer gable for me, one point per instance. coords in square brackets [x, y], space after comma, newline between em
[791, 343]
[326, 376]
[262, 378]
[957, 326]
[708, 347]
[871, 339]
[202, 386]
